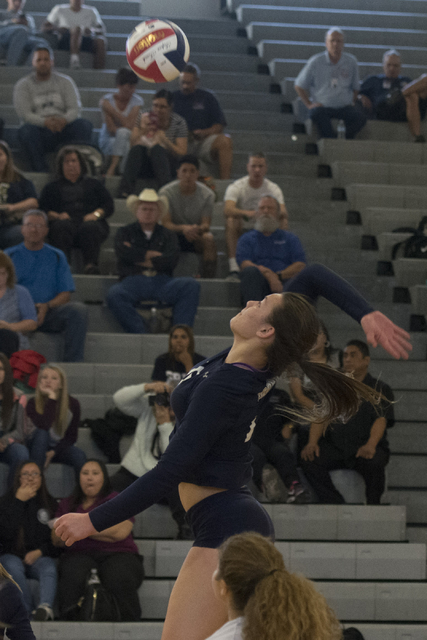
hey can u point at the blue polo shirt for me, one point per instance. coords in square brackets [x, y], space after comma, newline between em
[45, 272]
[276, 252]
[199, 109]
[330, 84]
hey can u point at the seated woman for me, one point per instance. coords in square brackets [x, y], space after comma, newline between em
[25, 534]
[56, 416]
[18, 314]
[13, 614]
[157, 141]
[14, 427]
[113, 552]
[119, 112]
[174, 365]
[263, 600]
[17, 195]
[77, 207]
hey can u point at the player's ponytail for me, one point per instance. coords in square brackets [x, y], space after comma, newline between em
[275, 604]
[296, 327]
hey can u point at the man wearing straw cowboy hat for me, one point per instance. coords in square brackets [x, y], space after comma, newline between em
[147, 254]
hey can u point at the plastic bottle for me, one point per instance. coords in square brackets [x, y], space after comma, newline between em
[154, 321]
[94, 578]
[341, 130]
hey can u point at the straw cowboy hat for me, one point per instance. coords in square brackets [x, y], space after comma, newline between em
[146, 195]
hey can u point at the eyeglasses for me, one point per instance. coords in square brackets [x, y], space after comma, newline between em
[30, 474]
[30, 225]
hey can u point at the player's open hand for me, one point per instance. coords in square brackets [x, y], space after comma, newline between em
[73, 527]
[380, 330]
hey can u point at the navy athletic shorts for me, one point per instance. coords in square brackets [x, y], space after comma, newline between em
[225, 514]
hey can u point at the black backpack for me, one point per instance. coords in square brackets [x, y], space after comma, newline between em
[415, 246]
[97, 605]
[106, 432]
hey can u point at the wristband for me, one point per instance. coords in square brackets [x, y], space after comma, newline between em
[98, 214]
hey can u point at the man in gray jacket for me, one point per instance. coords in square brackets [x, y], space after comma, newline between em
[49, 105]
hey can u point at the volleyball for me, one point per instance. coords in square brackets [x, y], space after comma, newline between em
[157, 50]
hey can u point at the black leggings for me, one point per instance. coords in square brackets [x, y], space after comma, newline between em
[143, 162]
[120, 573]
[88, 236]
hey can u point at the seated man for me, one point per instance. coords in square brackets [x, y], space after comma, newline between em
[44, 271]
[328, 86]
[190, 208]
[147, 254]
[205, 121]
[49, 104]
[17, 16]
[14, 33]
[240, 203]
[78, 28]
[267, 255]
[360, 444]
[391, 96]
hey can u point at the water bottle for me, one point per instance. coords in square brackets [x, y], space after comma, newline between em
[94, 577]
[154, 321]
[341, 130]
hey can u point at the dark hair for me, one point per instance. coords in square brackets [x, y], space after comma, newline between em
[362, 346]
[62, 154]
[7, 391]
[6, 263]
[77, 495]
[189, 159]
[192, 68]
[274, 602]
[257, 154]
[328, 348]
[126, 76]
[189, 331]
[296, 329]
[44, 47]
[164, 93]
[47, 501]
[10, 173]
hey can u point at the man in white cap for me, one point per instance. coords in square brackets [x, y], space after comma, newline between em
[147, 254]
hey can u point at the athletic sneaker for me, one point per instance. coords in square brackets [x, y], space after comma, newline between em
[297, 494]
[270, 485]
[44, 612]
[233, 276]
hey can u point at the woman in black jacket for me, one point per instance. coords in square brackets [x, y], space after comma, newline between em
[77, 206]
[13, 615]
[26, 537]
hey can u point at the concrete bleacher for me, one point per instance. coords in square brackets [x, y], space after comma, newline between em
[358, 555]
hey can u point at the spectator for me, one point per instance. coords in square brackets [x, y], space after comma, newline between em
[205, 120]
[328, 85]
[17, 195]
[16, 15]
[18, 314]
[49, 105]
[44, 271]
[158, 139]
[270, 444]
[13, 35]
[78, 27]
[173, 366]
[267, 255]
[14, 428]
[240, 203]
[113, 552]
[155, 424]
[391, 96]
[56, 416]
[360, 444]
[13, 614]
[189, 214]
[119, 112]
[147, 253]
[263, 600]
[77, 207]
[28, 552]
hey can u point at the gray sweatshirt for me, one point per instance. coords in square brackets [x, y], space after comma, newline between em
[35, 100]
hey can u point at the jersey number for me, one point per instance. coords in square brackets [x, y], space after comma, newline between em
[251, 430]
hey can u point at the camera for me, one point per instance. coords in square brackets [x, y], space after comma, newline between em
[161, 399]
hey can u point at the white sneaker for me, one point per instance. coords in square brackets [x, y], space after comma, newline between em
[44, 612]
[75, 64]
[233, 276]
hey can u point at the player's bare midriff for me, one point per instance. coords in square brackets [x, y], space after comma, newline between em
[191, 494]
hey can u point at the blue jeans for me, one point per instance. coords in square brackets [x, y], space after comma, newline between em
[180, 293]
[13, 455]
[36, 141]
[71, 320]
[13, 38]
[354, 120]
[10, 234]
[39, 445]
[43, 570]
